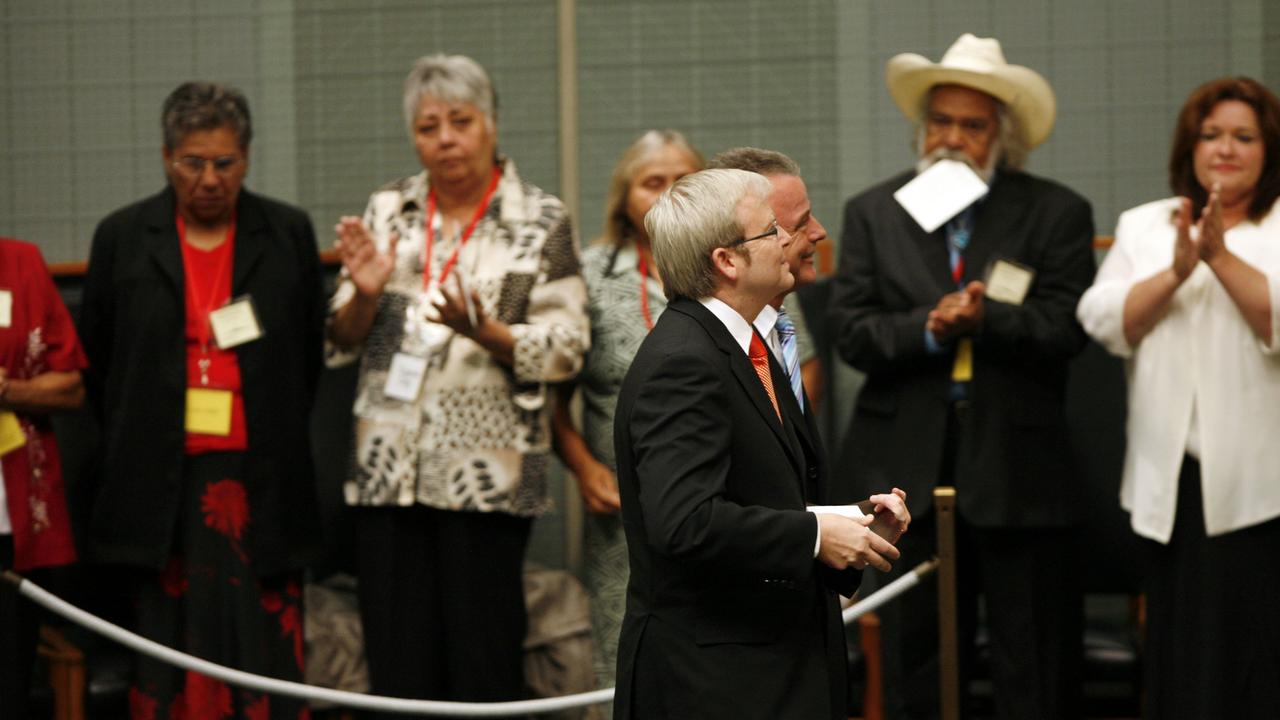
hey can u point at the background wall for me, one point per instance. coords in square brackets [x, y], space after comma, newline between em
[81, 83]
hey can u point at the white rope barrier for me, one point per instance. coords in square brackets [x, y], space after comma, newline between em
[361, 701]
[57, 605]
[890, 591]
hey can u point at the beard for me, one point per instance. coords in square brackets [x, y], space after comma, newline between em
[986, 171]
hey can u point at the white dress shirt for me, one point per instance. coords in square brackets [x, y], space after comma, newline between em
[1200, 366]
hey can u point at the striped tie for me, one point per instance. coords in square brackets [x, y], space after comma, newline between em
[760, 360]
[790, 357]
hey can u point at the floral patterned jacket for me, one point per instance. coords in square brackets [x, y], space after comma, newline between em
[478, 436]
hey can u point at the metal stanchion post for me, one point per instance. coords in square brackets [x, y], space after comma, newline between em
[944, 504]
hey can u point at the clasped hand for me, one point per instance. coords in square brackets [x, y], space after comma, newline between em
[958, 314]
[848, 542]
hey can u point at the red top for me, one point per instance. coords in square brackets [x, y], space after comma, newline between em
[207, 275]
[40, 338]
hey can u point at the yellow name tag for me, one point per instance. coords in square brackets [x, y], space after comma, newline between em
[11, 435]
[962, 370]
[209, 411]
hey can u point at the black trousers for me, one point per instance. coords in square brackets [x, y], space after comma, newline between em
[19, 625]
[442, 602]
[1034, 608]
[1212, 646]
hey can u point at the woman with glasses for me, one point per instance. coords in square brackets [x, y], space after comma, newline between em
[202, 318]
[624, 299]
[461, 297]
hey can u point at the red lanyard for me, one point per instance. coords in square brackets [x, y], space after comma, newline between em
[466, 232]
[643, 269]
[210, 302]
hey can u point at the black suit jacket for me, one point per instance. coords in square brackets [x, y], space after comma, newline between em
[1013, 465]
[727, 613]
[132, 324]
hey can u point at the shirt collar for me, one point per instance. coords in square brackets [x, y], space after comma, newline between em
[766, 320]
[739, 328]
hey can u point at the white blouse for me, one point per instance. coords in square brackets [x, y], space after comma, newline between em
[1200, 359]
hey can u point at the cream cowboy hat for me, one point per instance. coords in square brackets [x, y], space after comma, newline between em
[976, 63]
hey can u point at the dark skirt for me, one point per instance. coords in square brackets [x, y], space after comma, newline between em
[1213, 631]
[19, 622]
[209, 603]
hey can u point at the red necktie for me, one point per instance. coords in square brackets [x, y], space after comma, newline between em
[760, 360]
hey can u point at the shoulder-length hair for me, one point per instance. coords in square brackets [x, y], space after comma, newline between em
[641, 151]
[1186, 135]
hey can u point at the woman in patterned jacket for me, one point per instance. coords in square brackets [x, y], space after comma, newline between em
[462, 297]
[624, 299]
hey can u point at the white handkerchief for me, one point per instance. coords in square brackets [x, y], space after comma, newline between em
[940, 193]
[849, 511]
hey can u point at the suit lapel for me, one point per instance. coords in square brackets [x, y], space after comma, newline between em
[793, 418]
[998, 217]
[251, 225]
[745, 373]
[932, 264]
[161, 241]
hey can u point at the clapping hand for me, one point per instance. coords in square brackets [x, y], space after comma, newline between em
[368, 269]
[1208, 244]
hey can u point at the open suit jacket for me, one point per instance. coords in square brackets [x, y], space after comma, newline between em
[132, 323]
[728, 612]
[1013, 463]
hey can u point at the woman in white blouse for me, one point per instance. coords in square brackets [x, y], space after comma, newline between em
[1190, 296]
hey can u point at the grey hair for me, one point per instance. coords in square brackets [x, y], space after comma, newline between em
[756, 160]
[195, 106]
[641, 151]
[692, 218]
[1010, 146]
[453, 79]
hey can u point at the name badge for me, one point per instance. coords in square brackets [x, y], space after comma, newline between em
[235, 324]
[405, 377]
[209, 411]
[6, 308]
[1008, 282]
[11, 435]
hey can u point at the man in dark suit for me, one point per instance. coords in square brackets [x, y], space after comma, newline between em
[729, 602]
[964, 334]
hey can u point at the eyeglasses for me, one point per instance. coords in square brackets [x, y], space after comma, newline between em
[193, 165]
[972, 127]
[773, 231]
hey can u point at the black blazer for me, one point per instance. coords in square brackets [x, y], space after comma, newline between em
[1013, 465]
[727, 614]
[132, 324]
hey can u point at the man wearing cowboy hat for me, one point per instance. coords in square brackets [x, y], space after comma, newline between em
[964, 333]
